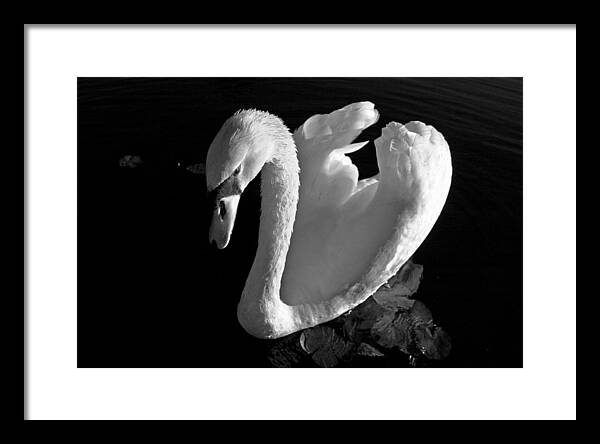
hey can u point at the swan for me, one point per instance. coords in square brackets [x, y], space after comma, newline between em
[326, 240]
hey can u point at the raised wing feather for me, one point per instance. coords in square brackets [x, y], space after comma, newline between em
[327, 175]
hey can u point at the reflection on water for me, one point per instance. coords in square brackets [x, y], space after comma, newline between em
[153, 294]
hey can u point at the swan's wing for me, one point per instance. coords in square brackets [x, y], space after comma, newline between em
[327, 175]
[349, 236]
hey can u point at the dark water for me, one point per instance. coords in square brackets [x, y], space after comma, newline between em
[153, 293]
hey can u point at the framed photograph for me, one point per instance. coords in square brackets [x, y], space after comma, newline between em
[209, 223]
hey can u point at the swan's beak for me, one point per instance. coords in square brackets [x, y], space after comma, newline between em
[223, 219]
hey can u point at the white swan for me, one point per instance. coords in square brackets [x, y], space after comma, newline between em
[326, 240]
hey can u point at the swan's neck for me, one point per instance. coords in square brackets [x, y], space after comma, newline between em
[280, 184]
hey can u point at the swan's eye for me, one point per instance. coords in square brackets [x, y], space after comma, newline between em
[237, 170]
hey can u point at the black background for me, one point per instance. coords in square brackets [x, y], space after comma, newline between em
[153, 293]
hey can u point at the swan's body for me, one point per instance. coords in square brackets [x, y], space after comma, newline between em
[326, 240]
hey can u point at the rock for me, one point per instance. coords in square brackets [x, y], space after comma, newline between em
[368, 313]
[326, 347]
[432, 341]
[393, 332]
[394, 295]
[365, 349]
[420, 314]
[286, 352]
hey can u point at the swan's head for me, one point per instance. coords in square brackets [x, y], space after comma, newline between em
[235, 157]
